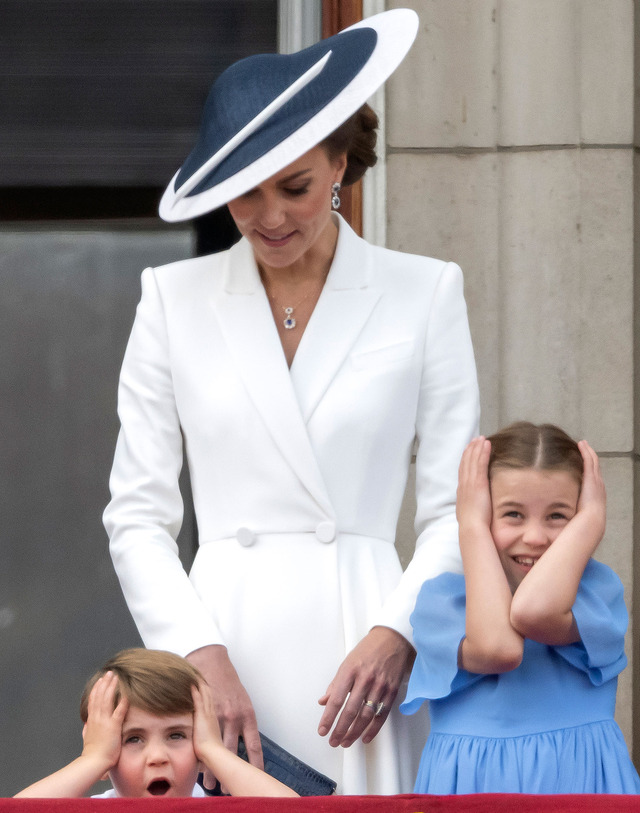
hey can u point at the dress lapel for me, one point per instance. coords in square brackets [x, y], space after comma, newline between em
[346, 302]
[247, 324]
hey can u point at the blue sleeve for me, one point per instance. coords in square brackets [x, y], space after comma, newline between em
[601, 616]
[438, 623]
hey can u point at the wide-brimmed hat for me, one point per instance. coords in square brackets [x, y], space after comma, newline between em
[265, 111]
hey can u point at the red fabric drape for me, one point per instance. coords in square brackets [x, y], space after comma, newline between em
[410, 803]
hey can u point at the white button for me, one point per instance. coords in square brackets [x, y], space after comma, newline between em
[245, 537]
[326, 531]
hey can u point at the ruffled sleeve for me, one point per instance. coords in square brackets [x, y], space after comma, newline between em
[438, 623]
[601, 616]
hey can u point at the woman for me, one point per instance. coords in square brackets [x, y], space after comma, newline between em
[299, 366]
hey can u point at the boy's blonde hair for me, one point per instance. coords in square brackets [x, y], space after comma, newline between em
[524, 445]
[152, 680]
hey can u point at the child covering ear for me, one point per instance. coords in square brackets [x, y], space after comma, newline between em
[149, 725]
[519, 658]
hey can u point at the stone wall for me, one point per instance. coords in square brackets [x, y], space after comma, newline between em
[510, 150]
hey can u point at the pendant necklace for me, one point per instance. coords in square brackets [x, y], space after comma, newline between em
[289, 320]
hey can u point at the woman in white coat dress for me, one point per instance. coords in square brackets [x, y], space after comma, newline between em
[301, 367]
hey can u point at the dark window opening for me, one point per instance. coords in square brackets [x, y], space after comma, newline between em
[101, 100]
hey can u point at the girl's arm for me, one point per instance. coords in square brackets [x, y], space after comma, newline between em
[102, 736]
[491, 644]
[542, 604]
[237, 777]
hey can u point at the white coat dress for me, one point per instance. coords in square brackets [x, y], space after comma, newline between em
[297, 476]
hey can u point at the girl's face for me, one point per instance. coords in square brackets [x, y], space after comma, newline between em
[290, 213]
[530, 508]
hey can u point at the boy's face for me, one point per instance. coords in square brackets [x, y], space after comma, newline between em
[157, 756]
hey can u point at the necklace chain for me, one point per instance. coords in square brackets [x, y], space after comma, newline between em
[289, 320]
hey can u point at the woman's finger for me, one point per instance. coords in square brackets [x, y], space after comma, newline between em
[333, 700]
[382, 712]
[350, 721]
[370, 719]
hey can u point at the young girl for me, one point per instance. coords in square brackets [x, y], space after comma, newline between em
[519, 657]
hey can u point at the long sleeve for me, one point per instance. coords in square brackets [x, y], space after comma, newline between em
[145, 513]
[447, 419]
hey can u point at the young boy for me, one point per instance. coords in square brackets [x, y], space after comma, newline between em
[149, 722]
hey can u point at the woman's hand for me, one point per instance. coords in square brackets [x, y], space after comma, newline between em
[473, 501]
[233, 707]
[102, 733]
[369, 677]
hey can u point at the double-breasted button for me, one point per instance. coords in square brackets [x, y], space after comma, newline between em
[326, 531]
[246, 537]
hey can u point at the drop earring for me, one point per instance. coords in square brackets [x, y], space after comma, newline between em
[335, 197]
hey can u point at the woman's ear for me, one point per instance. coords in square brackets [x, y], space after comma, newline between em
[340, 163]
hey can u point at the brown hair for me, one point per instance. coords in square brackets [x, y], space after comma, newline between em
[154, 681]
[357, 138]
[524, 445]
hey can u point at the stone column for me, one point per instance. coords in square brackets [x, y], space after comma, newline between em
[510, 151]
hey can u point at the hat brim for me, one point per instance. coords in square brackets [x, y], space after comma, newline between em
[395, 32]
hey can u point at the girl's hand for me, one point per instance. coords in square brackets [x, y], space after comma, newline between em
[473, 502]
[593, 495]
[206, 731]
[102, 733]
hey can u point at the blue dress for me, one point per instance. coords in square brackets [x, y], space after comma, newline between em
[545, 727]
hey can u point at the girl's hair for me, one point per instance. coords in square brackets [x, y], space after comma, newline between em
[154, 681]
[524, 445]
[357, 138]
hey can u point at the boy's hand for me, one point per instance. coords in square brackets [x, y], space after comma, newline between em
[473, 503]
[102, 733]
[206, 730]
[234, 710]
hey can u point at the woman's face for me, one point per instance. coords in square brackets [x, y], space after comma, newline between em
[288, 217]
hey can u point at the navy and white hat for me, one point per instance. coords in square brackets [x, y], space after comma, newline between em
[265, 111]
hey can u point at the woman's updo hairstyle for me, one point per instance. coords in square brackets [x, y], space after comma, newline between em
[357, 138]
[545, 447]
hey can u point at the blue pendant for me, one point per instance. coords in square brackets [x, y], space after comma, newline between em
[289, 321]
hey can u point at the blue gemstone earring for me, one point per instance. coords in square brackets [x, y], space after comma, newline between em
[335, 197]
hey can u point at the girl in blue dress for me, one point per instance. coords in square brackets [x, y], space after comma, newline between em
[519, 658]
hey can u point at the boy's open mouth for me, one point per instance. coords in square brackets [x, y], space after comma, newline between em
[158, 787]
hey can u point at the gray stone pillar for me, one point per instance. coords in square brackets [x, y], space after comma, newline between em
[510, 150]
